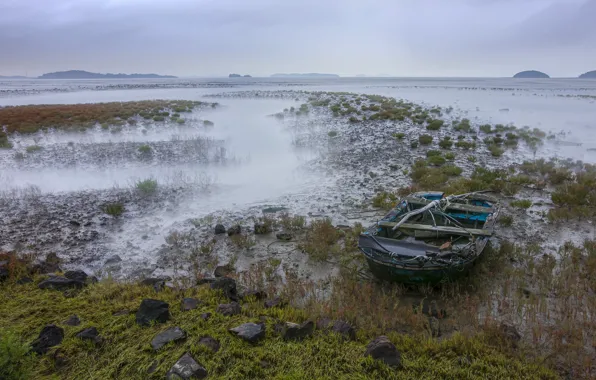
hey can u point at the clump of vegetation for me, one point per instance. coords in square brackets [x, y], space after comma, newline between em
[472, 159]
[485, 128]
[158, 118]
[321, 238]
[332, 134]
[434, 125]
[16, 362]
[354, 119]
[414, 144]
[243, 241]
[521, 203]
[292, 223]
[425, 139]
[466, 145]
[4, 143]
[208, 123]
[399, 136]
[33, 148]
[436, 160]
[446, 143]
[145, 149]
[384, 200]
[449, 156]
[147, 186]
[506, 220]
[113, 209]
[495, 150]
[180, 121]
[463, 126]
[432, 153]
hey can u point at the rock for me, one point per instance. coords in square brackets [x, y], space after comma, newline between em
[206, 280]
[294, 331]
[190, 304]
[74, 223]
[510, 333]
[186, 368]
[229, 309]
[228, 285]
[173, 334]
[50, 265]
[382, 349]
[262, 228]
[4, 274]
[285, 236]
[24, 280]
[152, 310]
[323, 323]
[50, 336]
[251, 332]
[223, 270]
[345, 329]
[77, 275]
[234, 230]
[205, 316]
[220, 229]
[60, 283]
[73, 320]
[210, 342]
[273, 303]
[90, 334]
[113, 260]
[257, 294]
[157, 283]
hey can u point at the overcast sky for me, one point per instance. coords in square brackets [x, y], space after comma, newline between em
[261, 37]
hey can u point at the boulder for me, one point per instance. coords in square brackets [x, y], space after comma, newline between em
[50, 336]
[273, 303]
[223, 270]
[186, 368]
[209, 342]
[382, 349]
[91, 334]
[60, 283]
[152, 311]
[285, 236]
[250, 332]
[344, 329]
[173, 334]
[220, 229]
[205, 316]
[73, 320]
[190, 304]
[229, 309]
[4, 274]
[294, 331]
[257, 294]
[77, 275]
[228, 285]
[234, 230]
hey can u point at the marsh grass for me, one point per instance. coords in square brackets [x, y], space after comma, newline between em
[292, 223]
[113, 209]
[521, 203]
[33, 148]
[321, 238]
[243, 241]
[146, 186]
[15, 359]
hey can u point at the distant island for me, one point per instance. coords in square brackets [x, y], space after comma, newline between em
[531, 74]
[589, 75]
[297, 75]
[80, 74]
[239, 76]
[13, 77]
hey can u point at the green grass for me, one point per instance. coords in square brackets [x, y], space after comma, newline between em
[145, 149]
[425, 139]
[113, 209]
[147, 186]
[521, 203]
[208, 123]
[33, 148]
[332, 134]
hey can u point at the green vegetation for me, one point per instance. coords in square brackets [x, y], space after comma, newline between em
[462, 126]
[446, 143]
[145, 149]
[4, 143]
[158, 118]
[33, 148]
[208, 123]
[434, 125]
[147, 186]
[15, 360]
[332, 134]
[399, 136]
[425, 139]
[321, 239]
[506, 220]
[521, 203]
[414, 144]
[113, 209]
[449, 156]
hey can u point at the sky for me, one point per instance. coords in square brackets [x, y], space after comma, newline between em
[417, 38]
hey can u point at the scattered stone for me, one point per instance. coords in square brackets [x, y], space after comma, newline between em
[210, 343]
[273, 302]
[382, 349]
[228, 285]
[220, 229]
[91, 334]
[510, 333]
[294, 331]
[24, 280]
[60, 283]
[113, 260]
[186, 368]
[157, 283]
[229, 309]
[251, 332]
[285, 236]
[262, 228]
[77, 275]
[173, 334]
[205, 316]
[234, 230]
[345, 329]
[190, 304]
[257, 294]
[73, 320]
[223, 270]
[50, 336]
[152, 310]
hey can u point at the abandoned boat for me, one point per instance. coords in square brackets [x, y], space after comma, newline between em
[429, 237]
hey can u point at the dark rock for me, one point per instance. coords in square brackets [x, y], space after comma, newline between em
[152, 310]
[285, 236]
[278, 327]
[73, 320]
[157, 283]
[24, 280]
[229, 309]
[345, 329]
[234, 230]
[50, 265]
[74, 223]
[510, 333]
[273, 303]
[257, 294]
[77, 275]
[173, 334]
[113, 260]
[90, 334]
[220, 229]
[294, 331]
[205, 316]
[210, 342]
[50, 336]
[190, 304]
[206, 280]
[186, 368]
[228, 285]
[262, 228]
[60, 283]
[382, 349]
[251, 332]
[223, 270]
[4, 274]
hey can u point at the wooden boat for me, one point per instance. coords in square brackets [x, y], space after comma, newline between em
[430, 238]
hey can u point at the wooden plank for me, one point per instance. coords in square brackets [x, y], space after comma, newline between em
[453, 206]
[440, 229]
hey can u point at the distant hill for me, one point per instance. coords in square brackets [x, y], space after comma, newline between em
[80, 74]
[589, 75]
[13, 77]
[297, 75]
[531, 74]
[239, 76]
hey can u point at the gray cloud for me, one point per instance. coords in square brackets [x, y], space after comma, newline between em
[215, 37]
